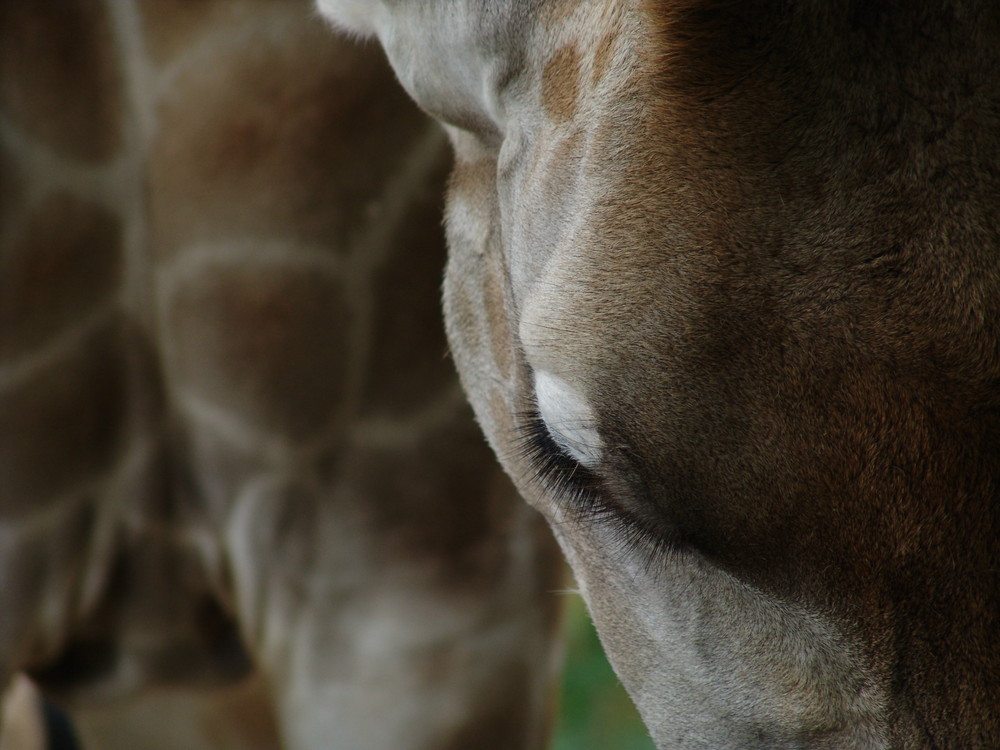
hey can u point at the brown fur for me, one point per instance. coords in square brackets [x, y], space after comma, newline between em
[416, 363]
[265, 343]
[826, 364]
[561, 84]
[222, 160]
[83, 392]
[556, 12]
[602, 56]
[78, 116]
[66, 266]
[771, 264]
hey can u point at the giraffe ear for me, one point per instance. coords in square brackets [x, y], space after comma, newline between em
[356, 17]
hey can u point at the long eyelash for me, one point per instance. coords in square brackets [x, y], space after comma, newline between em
[576, 486]
[580, 492]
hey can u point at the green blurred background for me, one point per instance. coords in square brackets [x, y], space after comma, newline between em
[596, 714]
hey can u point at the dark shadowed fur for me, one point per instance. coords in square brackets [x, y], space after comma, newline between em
[827, 372]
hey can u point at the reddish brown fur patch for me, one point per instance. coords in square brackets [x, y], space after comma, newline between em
[721, 67]
[289, 136]
[602, 56]
[709, 46]
[267, 344]
[67, 264]
[59, 79]
[561, 84]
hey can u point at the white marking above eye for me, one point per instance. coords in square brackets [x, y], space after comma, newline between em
[569, 418]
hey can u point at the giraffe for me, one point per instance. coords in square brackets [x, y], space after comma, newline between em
[723, 289]
[244, 503]
[22, 720]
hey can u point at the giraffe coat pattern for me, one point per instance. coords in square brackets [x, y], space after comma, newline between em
[243, 503]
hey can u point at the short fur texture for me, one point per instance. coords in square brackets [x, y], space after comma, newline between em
[760, 239]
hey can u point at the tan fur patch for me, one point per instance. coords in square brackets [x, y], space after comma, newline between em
[556, 12]
[173, 27]
[472, 181]
[566, 155]
[494, 300]
[561, 84]
[473, 185]
[503, 417]
[59, 79]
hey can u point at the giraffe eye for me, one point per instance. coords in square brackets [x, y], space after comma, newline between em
[554, 468]
[584, 496]
[571, 422]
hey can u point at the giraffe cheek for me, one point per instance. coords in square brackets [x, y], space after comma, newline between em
[481, 345]
[476, 300]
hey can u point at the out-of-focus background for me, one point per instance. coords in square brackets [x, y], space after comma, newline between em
[595, 712]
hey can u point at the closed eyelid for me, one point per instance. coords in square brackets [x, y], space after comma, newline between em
[581, 495]
[570, 420]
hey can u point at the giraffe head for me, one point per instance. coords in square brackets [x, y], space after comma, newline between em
[724, 291]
